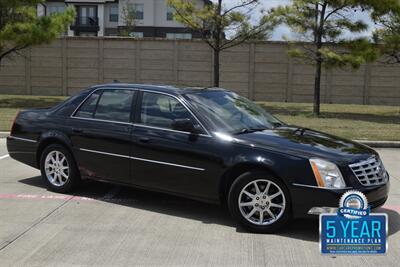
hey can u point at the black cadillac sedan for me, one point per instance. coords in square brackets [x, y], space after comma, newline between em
[207, 144]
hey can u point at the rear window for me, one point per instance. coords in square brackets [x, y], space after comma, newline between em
[67, 107]
[88, 108]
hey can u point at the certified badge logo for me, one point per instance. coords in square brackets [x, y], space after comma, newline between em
[353, 205]
[353, 230]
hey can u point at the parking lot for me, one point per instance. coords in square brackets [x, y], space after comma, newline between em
[107, 225]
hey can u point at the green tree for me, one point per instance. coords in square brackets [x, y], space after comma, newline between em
[129, 17]
[20, 27]
[387, 36]
[221, 27]
[325, 28]
[263, 35]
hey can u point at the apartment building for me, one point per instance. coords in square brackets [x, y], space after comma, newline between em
[152, 18]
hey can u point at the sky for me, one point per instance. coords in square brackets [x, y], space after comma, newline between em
[281, 30]
[285, 31]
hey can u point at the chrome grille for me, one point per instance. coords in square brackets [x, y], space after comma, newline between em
[370, 172]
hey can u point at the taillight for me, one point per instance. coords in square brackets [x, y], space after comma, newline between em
[13, 124]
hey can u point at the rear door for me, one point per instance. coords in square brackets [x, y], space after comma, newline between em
[101, 134]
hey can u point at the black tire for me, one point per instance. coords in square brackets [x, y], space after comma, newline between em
[283, 215]
[73, 179]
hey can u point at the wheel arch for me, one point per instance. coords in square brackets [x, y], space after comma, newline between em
[235, 171]
[49, 138]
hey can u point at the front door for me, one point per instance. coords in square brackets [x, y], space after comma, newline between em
[88, 15]
[101, 135]
[169, 160]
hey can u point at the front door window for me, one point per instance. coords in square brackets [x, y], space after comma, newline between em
[160, 110]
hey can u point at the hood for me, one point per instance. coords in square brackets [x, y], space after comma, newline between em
[308, 143]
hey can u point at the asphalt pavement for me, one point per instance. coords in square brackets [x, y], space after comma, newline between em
[107, 225]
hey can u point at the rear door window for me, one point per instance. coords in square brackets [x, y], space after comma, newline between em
[110, 105]
[115, 106]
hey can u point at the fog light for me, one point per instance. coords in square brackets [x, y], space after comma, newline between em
[321, 210]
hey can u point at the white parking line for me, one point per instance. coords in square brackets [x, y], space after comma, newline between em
[5, 156]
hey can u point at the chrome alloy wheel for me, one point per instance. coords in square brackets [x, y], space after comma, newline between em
[56, 168]
[262, 202]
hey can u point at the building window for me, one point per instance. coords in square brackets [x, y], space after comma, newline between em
[170, 13]
[114, 13]
[136, 34]
[55, 10]
[186, 36]
[138, 10]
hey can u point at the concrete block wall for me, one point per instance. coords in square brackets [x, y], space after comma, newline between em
[260, 70]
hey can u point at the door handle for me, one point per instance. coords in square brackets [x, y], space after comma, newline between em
[76, 130]
[144, 139]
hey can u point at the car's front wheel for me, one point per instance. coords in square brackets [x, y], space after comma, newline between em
[58, 169]
[259, 202]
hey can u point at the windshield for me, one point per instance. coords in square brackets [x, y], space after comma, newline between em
[230, 113]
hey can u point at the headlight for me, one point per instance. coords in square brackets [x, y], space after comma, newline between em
[327, 174]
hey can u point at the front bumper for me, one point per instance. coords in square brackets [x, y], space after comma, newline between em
[310, 200]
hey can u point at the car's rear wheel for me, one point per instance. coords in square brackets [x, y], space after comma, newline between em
[260, 202]
[58, 169]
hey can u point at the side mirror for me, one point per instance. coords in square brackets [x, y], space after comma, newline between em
[184, 125]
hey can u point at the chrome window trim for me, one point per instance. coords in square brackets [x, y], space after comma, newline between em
[142, 159]
[72, 116]
[22, 139]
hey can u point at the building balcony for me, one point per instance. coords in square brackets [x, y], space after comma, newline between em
[86, 24]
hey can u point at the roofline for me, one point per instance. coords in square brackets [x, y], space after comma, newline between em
[156, 87]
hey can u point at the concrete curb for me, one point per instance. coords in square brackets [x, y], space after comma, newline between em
[380, 144]
[377, 144]
[4, 134]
